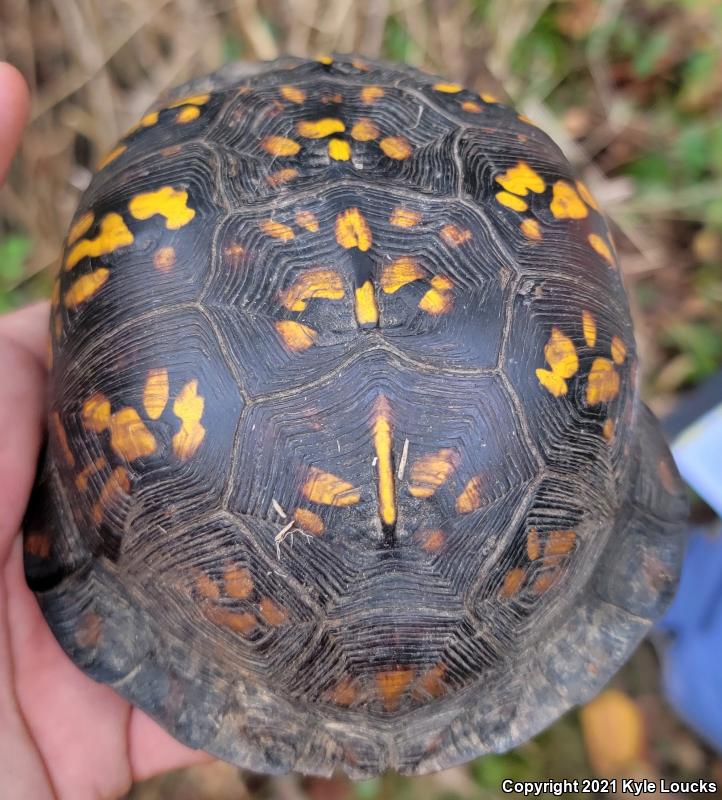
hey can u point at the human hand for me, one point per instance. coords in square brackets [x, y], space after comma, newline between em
[61, 734]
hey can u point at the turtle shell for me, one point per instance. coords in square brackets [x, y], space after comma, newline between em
[347, 466]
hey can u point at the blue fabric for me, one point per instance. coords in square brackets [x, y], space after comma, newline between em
[692, 670]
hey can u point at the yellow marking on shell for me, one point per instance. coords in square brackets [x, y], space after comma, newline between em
[589, 327]
[400, 272]
[156, 392]
[545, 581]
[307, 220]
[431, 683]
[296, 336]
[561, 355]
[281, 176]
[533, 545]
[193, 100]
[448, 88]
[38, 544]
[352, 230]
[118, 483]
[187, 114]
[601, 247]
[85, 287]
[370, 94]
[293, 94]
[167, 202]
[308, 521]
[559, 543]
[455, 236]
[521, 179]
[431, 471]
[431, 540]
[112, 234]
[365, 130]
[530, 228]
[511, 201]
[608, 429]
[618, 350]
[566, 203]
[587, 196]
[164, 258]
[438, 299]
[320, 128]
[272, 613]
[62, 438]
[527, 120]
[392, 685]
[80, 226]
[470, 497]
[238, 582]
[326, 60]
[328, 489]
[188, 407]
[471, 107]
[111, 156]
[146, 121]
[383, 445]
[343, 694]
[96, 413]
[602, 383]
[280, 146]
[488, 98]
[366, 310]
[316, 283]
[276, 229]
[81, 479]
[129, 436]
[404, 217]
[396, 147]
[512, 583]
[339, 149]
[239, 622]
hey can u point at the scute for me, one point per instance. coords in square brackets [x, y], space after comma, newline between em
[347, 466]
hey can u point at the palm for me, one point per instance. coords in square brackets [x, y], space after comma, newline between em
[61, 734]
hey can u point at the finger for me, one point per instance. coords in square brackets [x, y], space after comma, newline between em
[14, 103]
[28, 327]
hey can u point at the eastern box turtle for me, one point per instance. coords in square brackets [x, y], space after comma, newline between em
[347, 466]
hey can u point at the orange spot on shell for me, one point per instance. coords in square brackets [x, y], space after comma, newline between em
[187, 114]
[188, 407]
[448, 88]
[438, 299]
[320, 128]
[589, 327]
[608, 429]
[207, 587]
[277, 230]
[601, 248]
[471, 107]
[602, 383]
[155, 392]
[243, 622]
[454, 236]
[96, 413]
[272, 613]
[352, 230]
[328, 489]
[80, 227]
[296, 336]
[587, 196]
[400, 272]
[89, 630]
[512, 583]
[129, 436]
[559, 543]
[339, 149]
[521, 179]
[431, 471]
[280, 146]
[344, 694]
[531, 229]
[566, 203]
[370, 94]
[193, 99]
[308, 521]
[431, 540]
[545, 581]
[37, 543]
[165, 202]
[561, 355]
[392, 685]
[365, 308]
[238, 582]
[533, 545]
[82, 478]
[431, 683]
[365, 130]
[404, 217]
[396, 147]
[319, 283]
[293, 94]
[470, 497]
[282, 176]
[117, 485]
[307, 220]
[113, 233]
[164, 259]
[85, 287]
[111, 156]
[618, 350]
[511, 201]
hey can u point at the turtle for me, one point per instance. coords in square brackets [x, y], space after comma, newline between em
[347, 467]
